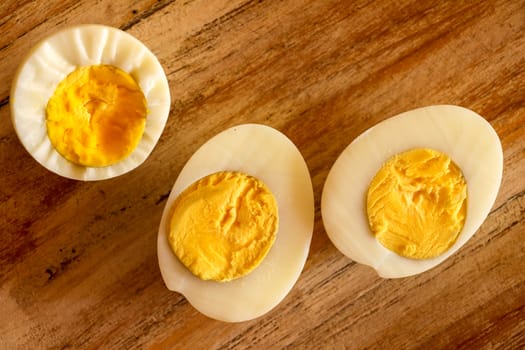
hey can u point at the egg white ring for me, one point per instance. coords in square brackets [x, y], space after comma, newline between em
[452, 130]
[50, 61]
[268, 155]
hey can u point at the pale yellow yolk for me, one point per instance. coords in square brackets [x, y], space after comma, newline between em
[416, 203]
[96, 116]
[223, 225]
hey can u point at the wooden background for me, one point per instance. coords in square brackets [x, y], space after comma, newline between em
[78, 264]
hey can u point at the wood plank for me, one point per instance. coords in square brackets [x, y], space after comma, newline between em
[78, 259]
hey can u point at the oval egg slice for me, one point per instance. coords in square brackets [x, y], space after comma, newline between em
[467, 138]
[268, 155]
[50, 61]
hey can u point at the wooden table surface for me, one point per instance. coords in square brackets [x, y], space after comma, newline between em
[78, 263]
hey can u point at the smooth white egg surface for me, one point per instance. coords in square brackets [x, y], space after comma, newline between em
[268, 155]
[50, 61]
[467, 138]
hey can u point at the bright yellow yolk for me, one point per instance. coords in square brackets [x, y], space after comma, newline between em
[416, 203]
[223, 225]
[96, 116]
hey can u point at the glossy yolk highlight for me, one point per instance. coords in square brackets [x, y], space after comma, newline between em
[416, 203]
[96, 116]
[223, 225]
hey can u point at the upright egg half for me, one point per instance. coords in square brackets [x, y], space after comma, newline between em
[234, 159]
[410, 191]
[90, 102]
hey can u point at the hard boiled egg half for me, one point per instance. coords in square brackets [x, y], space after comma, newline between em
[267, 155]
[90, 102]
[465, 140]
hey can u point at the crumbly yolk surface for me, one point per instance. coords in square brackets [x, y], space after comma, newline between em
[223, 225]
[416, 203]
[96, 116]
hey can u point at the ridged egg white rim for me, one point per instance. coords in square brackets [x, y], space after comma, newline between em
[51, 60]
[269, 155]
[466, 137]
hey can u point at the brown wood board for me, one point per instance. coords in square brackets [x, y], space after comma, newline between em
[78, 263]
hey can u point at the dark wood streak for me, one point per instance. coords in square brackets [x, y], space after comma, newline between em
[158, 6]
[237, 340]
[4, 101]
[42, 20]
[329, 279]
[237, 11]
[162, 198]
[509, 201]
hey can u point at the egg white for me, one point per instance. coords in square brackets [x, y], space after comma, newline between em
[50, 61]
[467, 138]
[268, 155]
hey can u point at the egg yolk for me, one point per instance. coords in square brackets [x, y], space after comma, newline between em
[416, 203]
[223, 225]
[96, 116]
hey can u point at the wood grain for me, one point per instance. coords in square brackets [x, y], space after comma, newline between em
[78, 265]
